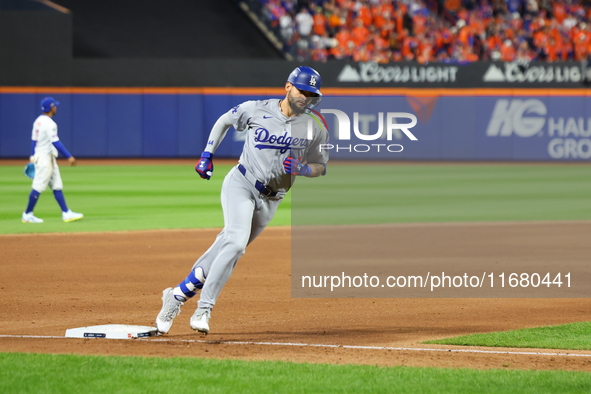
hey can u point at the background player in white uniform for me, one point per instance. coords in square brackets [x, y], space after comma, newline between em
[45, 145]
[283, 140]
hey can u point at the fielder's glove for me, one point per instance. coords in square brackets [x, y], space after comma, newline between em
[204, 166]
[30, 170]
[294, 166]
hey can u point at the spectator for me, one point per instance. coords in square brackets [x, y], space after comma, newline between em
[360, 33]
[465, 31]
[364, 13]
[523, 53]
[507, 51]
[286, 26]
[304, 22]
[274, 11]
[320, 22]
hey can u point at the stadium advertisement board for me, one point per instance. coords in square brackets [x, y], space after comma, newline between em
[468, 128]
[458, 126]
[468, 75]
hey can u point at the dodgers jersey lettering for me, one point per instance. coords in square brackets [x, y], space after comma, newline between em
[271, 136]
[45, 133]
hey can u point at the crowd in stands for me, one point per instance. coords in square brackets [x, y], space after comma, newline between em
[431, 30]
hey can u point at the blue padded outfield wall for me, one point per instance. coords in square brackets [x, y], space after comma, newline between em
[483, 126]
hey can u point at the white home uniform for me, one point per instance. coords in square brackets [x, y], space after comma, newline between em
[46, 169]
[271, 138]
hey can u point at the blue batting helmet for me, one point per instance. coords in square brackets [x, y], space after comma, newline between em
[306, 78]
[48, 103]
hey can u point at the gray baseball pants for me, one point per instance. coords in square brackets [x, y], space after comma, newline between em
[246, 214]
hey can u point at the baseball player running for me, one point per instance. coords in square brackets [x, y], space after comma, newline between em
[284, 140]
[44, 150]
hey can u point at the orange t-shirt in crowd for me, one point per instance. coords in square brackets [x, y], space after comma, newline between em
[438, 37]
[334, 21]
[555, 34]
[381, 9]
[510, 34]
[425, 52]
[365, 15]
[400, 19]
[494, 42]
[446, 36]
[377, 43]
[516, 24]
[361, 54]
[581, 50]
[343, 37]
[337, 52]
[463, 14]
[381, 57]
[359, 35]
[507, 53]
[464, 35]
[407, 45]
[559, 11]
[387, 29]
[581, 36]
[572, 33]
[379, 21]
[452, 5]
[478, 26]
[534, 25]
[551, 52]
[419, 23]
[540, 39]
[319, 23]
[470, 56]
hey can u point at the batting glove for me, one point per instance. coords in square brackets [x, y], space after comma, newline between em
[204, 166]
[294, 166]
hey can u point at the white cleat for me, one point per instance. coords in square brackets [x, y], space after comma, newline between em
[200, 320]
[71, 216]
[171, 308]
[30, 218]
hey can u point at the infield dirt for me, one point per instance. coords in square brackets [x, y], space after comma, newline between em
[51, 282]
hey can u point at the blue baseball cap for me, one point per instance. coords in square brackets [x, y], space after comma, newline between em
[306, 78]
[48, 103]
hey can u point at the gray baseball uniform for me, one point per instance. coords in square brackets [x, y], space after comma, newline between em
[277, 147]
[271, 137]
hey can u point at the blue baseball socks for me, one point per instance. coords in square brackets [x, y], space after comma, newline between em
[59, 197]
[33, 197]
[190, 286]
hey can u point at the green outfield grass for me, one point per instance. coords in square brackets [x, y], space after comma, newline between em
[135, 197]
[405, 193]
[573, 336]
[35, 373]
[115, 198]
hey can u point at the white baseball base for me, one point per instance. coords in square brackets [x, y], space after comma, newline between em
[112, 331]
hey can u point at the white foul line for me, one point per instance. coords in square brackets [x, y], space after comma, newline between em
[319, 345]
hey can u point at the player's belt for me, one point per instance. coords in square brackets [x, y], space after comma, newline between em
[264, 190]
